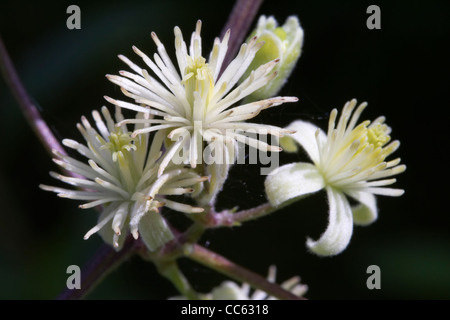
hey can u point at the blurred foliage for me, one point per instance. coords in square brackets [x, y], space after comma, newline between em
[401, 70]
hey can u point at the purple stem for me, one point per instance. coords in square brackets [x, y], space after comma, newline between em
[30, 111]
[226, 218]
[229, 268]
[239, 21]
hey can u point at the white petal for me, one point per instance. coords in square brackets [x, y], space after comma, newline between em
[291, 181]
[219, 166]
[110, 237]
[340, 226]
[154, 230]
[105, 217]
[120, 217]
[305, 135]
[366, 212]
[390, 192]
[107, 233]
[181, 207]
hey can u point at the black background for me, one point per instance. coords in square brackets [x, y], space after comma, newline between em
[401, 70]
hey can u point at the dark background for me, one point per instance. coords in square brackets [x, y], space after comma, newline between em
[401, 70]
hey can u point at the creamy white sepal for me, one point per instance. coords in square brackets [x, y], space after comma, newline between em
[292, 181]
[366, 211]
[340, 226]
[154, 230]
[307, 135]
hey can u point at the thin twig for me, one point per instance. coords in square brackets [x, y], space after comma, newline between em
[227, 218]
[29, 110]
[229, 268]
[254, 213]
[239, 21]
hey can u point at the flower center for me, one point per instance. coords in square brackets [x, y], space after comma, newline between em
[356, 155]
[377, 135]
[118, 142]
[198, 78]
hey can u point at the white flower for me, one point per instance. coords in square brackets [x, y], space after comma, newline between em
[121, 175]
[229, 290]
[348, 161]
[193, 102]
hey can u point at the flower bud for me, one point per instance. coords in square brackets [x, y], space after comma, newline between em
[284, 43]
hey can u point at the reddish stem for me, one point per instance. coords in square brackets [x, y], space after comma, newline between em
[239, 21]
[229, 268]
[30, 111]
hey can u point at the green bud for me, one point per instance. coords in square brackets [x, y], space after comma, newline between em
[284, 42]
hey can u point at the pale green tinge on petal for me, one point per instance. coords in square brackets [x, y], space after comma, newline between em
[292, 181]
[154, 230]
[366, 212]
[288, 144]
[340, 226]
[229, 290]
[280, 42]
[305, 135]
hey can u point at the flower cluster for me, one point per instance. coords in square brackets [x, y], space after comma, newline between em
[190, 121]
[189, 112]
[182, 112]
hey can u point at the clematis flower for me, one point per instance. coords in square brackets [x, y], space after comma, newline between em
[120, 175]
[194, 103]
[348, 161]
